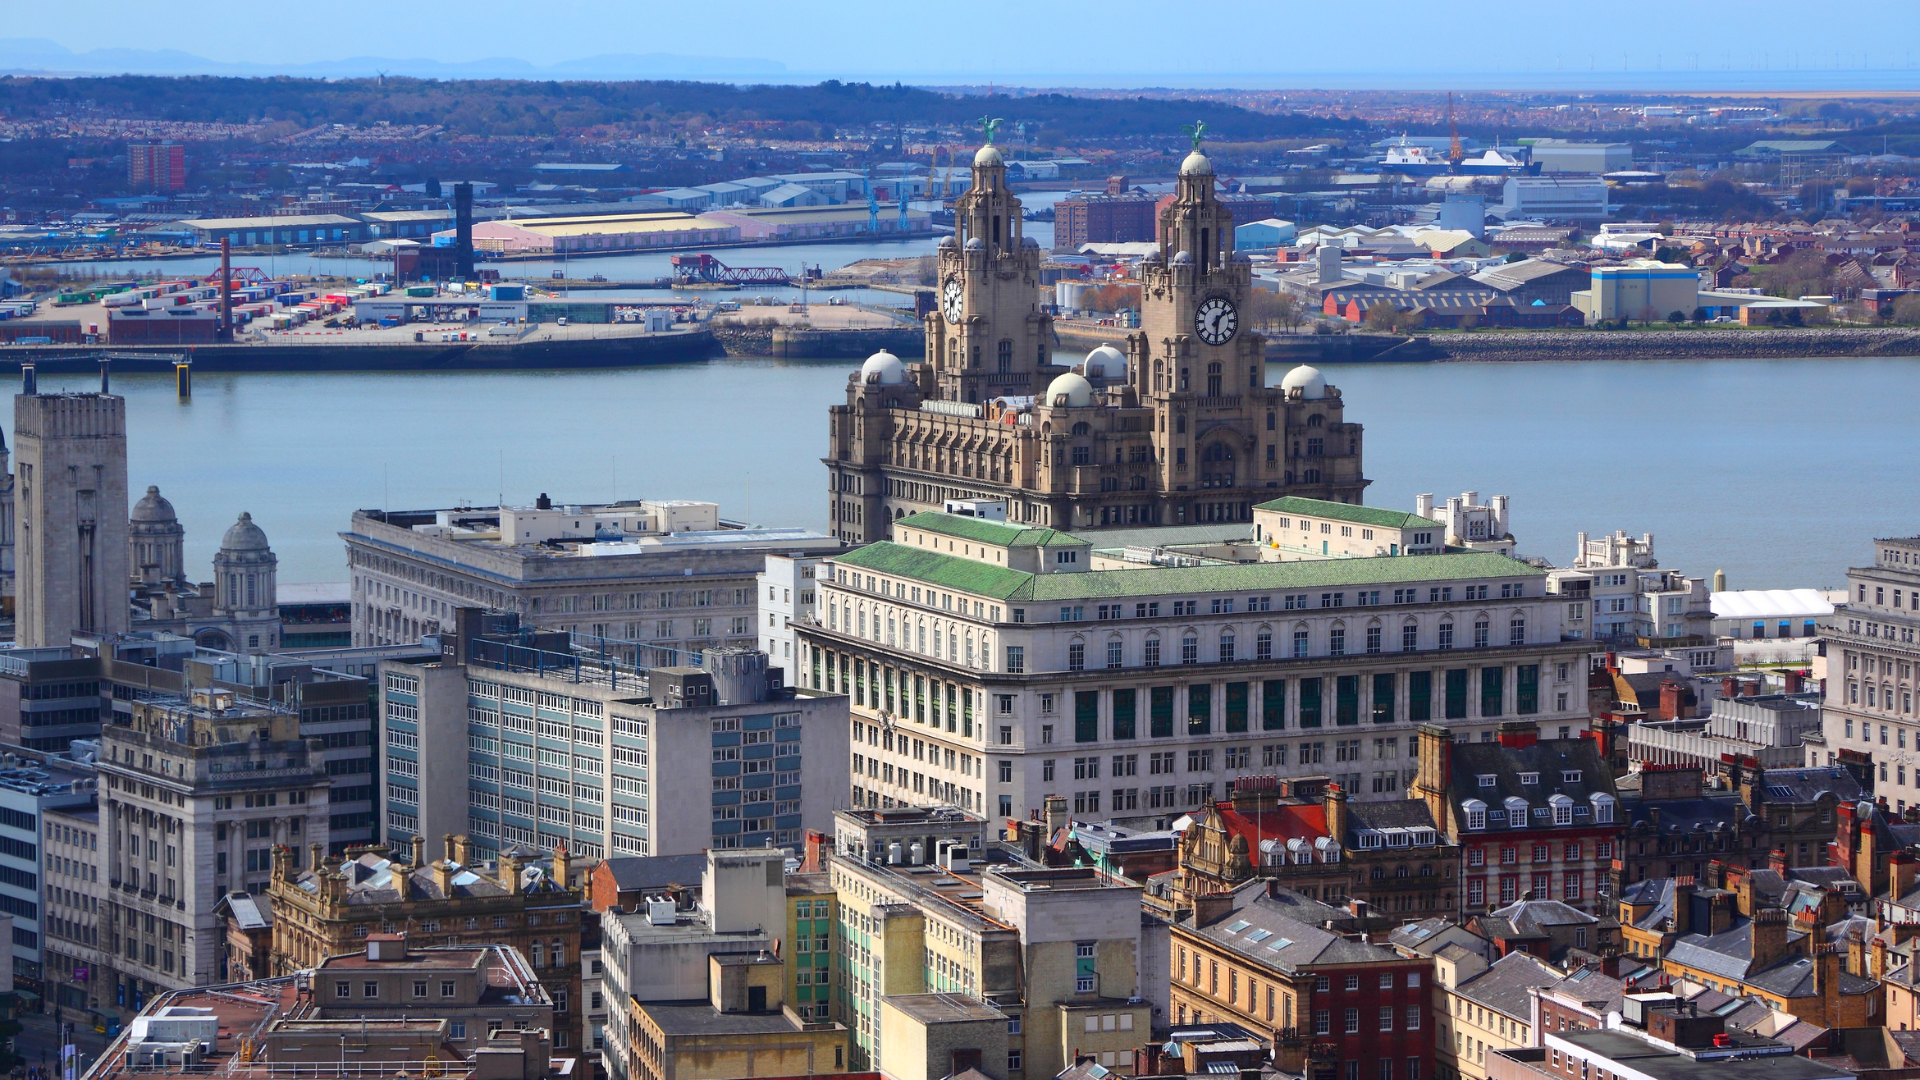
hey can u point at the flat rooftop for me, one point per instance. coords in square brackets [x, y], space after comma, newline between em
[701, 1018]
[1660, 1063]
[944, 1008]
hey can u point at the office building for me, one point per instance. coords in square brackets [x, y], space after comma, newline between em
[1158, 434]
[1102, 219]
[787, 596]
[73, 903]
[200, 790]
[1871, 678]
[479, 990]
[1484, 1008]
[49, 697]
[70, 496]
[518, 901]
[1535, 817]
[1294, 971]
[515, 737]
[1306, 836]
[670, 575]
[33, 786]
[1037, 966]
[768, 936]
[156, 166]
[1006, 666]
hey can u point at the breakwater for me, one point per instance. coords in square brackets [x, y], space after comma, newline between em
[802, 343]
[1796, 343]
[554, 354]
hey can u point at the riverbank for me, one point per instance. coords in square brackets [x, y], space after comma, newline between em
[586, 350]
[1783, 343]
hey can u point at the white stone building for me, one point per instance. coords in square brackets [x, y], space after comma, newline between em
[1470, 525]
[1000, 670]
[1872, 657]
[787, 596]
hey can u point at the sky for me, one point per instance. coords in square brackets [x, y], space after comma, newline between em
[1650, 44]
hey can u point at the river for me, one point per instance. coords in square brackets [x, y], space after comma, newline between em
[1777, 471]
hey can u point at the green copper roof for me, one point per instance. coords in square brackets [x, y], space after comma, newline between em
[963, 575]
[983, 579]
[1359, 515]
[983, 531]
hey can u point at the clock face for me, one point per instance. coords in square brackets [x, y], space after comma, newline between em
[1216, 320]
[953, 300]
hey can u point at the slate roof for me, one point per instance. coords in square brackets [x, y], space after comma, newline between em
[1711, 813]
[1284, 929]
[1592, 987]
[1393, 814]
[1503, 987]
[636, 872]
[370, 882]
[1655, 891]
[1550, 759]
[1430, 937]
[1808, 785]
[984, 579]
[1535, 918]
[1729, 954]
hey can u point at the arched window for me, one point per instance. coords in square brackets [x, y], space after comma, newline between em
[1082, 428]
[1316, 420]
[1226, 646]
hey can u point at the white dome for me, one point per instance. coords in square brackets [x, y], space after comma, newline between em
[1182, 258]
[244, 535]
[1306, 379]
[974, 243]
[1196, 164]
[1106, 362]
[988, 155]
[946, 241]
[884, 368]
[1071, 390]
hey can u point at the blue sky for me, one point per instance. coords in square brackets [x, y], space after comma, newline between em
[1254, 43]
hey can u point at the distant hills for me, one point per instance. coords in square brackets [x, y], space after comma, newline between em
[40, 56]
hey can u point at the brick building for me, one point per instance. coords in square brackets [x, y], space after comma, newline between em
[1113, 218]
[156, 166]
[1533, 817]
[1282, 965]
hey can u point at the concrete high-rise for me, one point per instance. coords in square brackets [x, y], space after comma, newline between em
[71, 515]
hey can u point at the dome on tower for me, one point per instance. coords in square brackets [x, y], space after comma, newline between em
[988, 155]
[1182, 258]
[244, 535]
[1070, 390]
[153, 509]
[1306, 379]
[1106, 362]
[1196, 164]
[946, 241]
[884, 368]
[974, 243]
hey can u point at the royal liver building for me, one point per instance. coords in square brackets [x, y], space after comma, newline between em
[1180, 428]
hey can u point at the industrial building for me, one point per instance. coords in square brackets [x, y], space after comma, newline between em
[1643, 289]
[1553, 197]
[1566, 156]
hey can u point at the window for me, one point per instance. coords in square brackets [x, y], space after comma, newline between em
[1353, 1022]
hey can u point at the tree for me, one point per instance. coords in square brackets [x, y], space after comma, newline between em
[1388, 319]
[1906, 309]
[1699, 314]
[1676, 317]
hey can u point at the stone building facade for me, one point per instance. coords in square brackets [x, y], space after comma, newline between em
[1180, 428]
[331, 909]
[70, 499]
[1873, 670]
[197, 792]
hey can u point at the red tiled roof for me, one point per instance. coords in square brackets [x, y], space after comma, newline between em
[1307, 822]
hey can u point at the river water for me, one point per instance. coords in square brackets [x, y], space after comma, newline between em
[1777, 471]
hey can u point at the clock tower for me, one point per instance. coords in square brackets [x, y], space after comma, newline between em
[988, 336]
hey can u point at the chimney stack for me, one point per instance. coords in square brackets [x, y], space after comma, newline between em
[1336, 811]
[1682, 905]
[1769, 931]
[562, 866]
[462, 849]
[419, 851]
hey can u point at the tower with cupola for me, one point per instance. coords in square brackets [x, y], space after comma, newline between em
[988, 335]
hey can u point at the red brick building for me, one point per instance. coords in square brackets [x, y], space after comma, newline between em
[1102, 219]
[1533, 817]
[1262, 957]
[157, 166]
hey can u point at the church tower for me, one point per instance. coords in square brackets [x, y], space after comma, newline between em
[988, 335]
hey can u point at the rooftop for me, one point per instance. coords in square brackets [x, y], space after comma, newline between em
[1359, 515]
[944, 1008]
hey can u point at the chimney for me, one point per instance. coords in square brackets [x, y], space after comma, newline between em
[463, 230]
[1796, 681]
[1336, 810]
[1519, 734]
[226, 291]
[1057, 817]
[462, 849]
[1720, 913]
[443, 878]
[1769, 937]
[1729, 687]
[1826, 983]
[1777, 861]
[446, 848]
[313, 856]
[1857, 954]
[562, 865]
[818, 844]
[1682, 905]
[1211, 908]
[1878, 953]
[403, 881]
[1673, 705]
[510, 872]
[1902, 867]
[419, 851]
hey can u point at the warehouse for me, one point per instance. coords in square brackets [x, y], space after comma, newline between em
[606, 233]
[256, 231]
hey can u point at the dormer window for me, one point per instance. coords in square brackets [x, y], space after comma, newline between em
[1488, 780]
[1570, 776]
[1603, 809]
[1562, 810]
[1530, 778]
[1476, 814]
[1516, 813]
